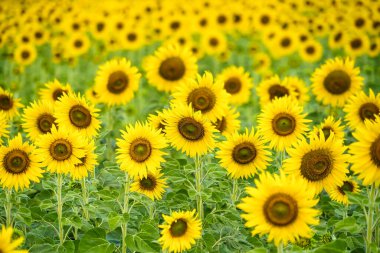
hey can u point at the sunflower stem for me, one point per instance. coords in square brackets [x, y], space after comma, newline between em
[110, 121]
[124, 225]
[8, 207]
[280, 248]
[198, 185]
[151, 210]
[235, 188]
[369, 218]
[59, 207]
[85, 199]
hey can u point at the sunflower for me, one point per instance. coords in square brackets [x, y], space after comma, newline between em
[328, 126]
[38, 119]
[87, 164]
[338, 192]
[361, 107]
[300, 90]
[285, 43]
[153, 185]
[60, 150]
[374, 48]
[242, 155]
[77, 44]
[282, 207]
[357, 44]
[8, 104]
[54, 90]
[157, 121]
[264, 18]
[335, 81]
[180, 231]
[4, 124]
[311, 51]
[213, 42]
[19, 164]
[228, 123]
[25, 54]
[272, 88]
[237, 83]
[189, 131]
[140, 150]
[337, 39]
[92, 95]
[133, 38]
[282, 123]
[321, 163]
[7, 245]
[366, 152]
[204, 95]
[261, 62]
[74, 114]
[170, 66]
[116, 81]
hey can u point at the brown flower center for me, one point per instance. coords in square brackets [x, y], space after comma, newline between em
[283, 124]
[346, 187]
[78, 43]
[45, 122]
[172, 69]
[278, 91]
[264, 19]
[60, 150]
[285, 42]
[131, 36]
[140, 150]
[337, 82]
[202, 99]
[375, 152]
[58, 93]
[117, 82]
[232, 85]
[280, 209]
[16, 161]
[82, 162]
[326, 132]
[80, 116]
[190, 129]
[220, 124]
[214, 42]
[316, 165]
[178, 228]
[368, 111]
[6, 103]
[149, 183]
[25, 54]
[244, 153]
[356, 43]
[310, 50]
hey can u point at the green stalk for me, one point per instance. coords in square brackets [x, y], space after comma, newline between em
[124, 225]
[280, 248]
[369, 218]
[85, 199]
[8, 207]
[198, 185]
[235, 188]
[59, 207]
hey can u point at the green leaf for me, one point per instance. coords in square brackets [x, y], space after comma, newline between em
[94, 241]
[332, 247]
[348, 225]
[42, 248]
[136, 243]
[258, 250]
[114, 220]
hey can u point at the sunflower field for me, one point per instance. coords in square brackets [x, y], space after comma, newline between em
[189, 126]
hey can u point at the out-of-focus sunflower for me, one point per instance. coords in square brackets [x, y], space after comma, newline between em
[237, 83]
[272, 88]
[60, 150]
[328, 126]
[337, 39]
[261, 62]
[9, 105]
[243, 155]
[311, 51]
[19, 164]
[283, 123]
[153, 185]
[264, 18]
[213, 42]
[170, 66]
[25, 54]
[179, 231]
[116, 81]
[338, 192]
[92, 95]
[285, 43]
[87, 162]
[228, 123]
[8, 244]
[336, 81]
[361, 107]
[282, 207]
[158, 121]
[4, 124]
[301, 91]
[357, 44]
[365, 152]
[204, 95]
[38, 119]
[53, 91]
[189, 131]
[133, 37]
[74, 114]
[77, 44]
[321, 163]
[140, 150]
